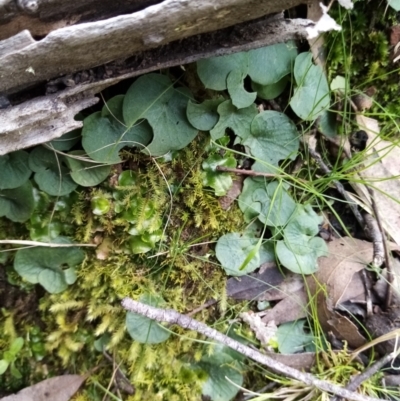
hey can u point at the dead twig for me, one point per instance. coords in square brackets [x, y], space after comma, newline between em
[210, 302]
[356, 381]
[388, 264]
[173, 317]
[37, 243]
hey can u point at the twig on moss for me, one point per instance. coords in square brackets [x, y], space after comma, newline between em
[356, 381]
[173, 317]
[37, 243]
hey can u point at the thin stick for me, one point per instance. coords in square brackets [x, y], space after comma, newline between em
[388, 264]
[356, 381]
[210, 302]
[173, 317]
[375, 234]
[37, 243]
[338, 185]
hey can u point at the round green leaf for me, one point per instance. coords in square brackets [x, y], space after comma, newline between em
[104, 137]
[143, 329]
[46, 265]
[67, 141]
[277, 206]
[395, 4]
[271, 91]
[250, 207]
[220, 366]
[113, 108]
[240, 97]
[300, 249]
[203, 116]
[238, 120]
[153, 97]
[86, 173]
[214, 71]
[17, 204]
[292, 338]
[51, 176]
[14, 169]
[233, 249]
[273, 138]
[311, 96]
[327, 124]
[218, 180]
[270, 64]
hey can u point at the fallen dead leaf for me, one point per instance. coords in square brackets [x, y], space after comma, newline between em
[334, 284]
[291, 308]
[60, 388]
[268, 284]
[303, 362]
[382, 172]
[234, 191]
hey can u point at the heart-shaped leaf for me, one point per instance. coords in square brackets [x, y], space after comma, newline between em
[143, 329]
[218, 180]
[292, 338]
[214, 71]
[17, 204]
[273, 138]
[311, 96]
[103, 136]
[86, 173]
[232, 250]
[300, 248]
[46, 265]
[203, 116]
[271, 91]
[154, 98]
[14, 169]
[51, 175]
[270, 64]
[240, 97]
[238, 120]
[220, 366]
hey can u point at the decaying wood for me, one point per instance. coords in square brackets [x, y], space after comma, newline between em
[87, 45]
[43, 16]
[45, 118]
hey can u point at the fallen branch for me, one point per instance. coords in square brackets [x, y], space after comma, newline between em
[37, 243]
[172, 317]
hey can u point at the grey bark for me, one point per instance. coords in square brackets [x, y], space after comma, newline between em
[174, 32]
[87, 45]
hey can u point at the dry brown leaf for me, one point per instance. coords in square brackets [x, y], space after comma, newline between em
[383, 170]
[234, 191]
[60, 388]
[291, 308]
[268, 284]
[304, 361]
[333, 284]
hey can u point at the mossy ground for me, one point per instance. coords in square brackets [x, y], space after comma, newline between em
[63, 333]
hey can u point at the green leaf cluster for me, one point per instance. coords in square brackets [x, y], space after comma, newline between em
[53, 268]
[10, 356]
[272, 205]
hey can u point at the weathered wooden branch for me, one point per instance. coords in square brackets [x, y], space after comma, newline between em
[83, 46]
[45, 118]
